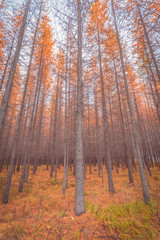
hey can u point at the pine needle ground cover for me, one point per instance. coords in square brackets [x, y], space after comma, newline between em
[42, 212]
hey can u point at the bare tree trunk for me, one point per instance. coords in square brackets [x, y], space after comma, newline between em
[123, 129]
[22, 139]
[7, 93]
[24, 96]
[105, 124]
[39, 133]
[6, 65]
[142, 138]
[148, 41]
[136, 140]
[55, 128]
[79, 188]
[66, 125]
[100, 166]
[5, 104]
[89, 136]
[34, 115]
[157, 98]
[7, 139]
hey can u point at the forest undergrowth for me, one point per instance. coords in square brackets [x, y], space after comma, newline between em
[42, 212]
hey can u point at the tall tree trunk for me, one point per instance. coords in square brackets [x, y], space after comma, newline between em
[34, 115]
[123, 128]
[79, 188]
[6, 65]
[89, 136]
[148, 41]
[7, 139]
[105, 123]
[8, 89]
[55, 128]
[100, 166]
[24, 95]
[5, 197]
[135, 134]
[5, 104]
[39, 133]
[66, 125]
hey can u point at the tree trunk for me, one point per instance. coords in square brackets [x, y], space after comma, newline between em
[105, 124]
[8, 89]
[149, 44]
[55, 129]
[123, 128]
[6, 65]
[5, 104]
[79, 188]
[135, 134]
[100, 166]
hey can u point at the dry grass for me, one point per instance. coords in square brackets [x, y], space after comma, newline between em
[42, 212]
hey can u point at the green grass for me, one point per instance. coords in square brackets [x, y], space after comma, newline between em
[130, 221]
[54, 181]
[15, 232]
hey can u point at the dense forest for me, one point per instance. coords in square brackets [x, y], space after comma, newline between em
[80, 110]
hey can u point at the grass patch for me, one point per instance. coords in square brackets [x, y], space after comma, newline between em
[130, 221]
[15, 232]
[54, 181]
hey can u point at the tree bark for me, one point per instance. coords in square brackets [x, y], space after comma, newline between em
[5, 104]
[79, 188]
[8, 89]
[123, 128]
[135, 134]
[105, 123]
[148, 41]
[100, 166]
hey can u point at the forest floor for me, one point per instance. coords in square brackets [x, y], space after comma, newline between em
[42, 212]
